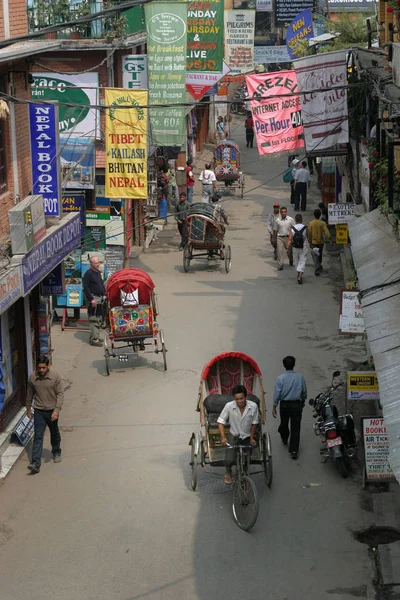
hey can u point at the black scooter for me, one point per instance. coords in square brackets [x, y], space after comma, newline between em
[336, 431]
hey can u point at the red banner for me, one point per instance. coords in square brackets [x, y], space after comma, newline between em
[276, 111]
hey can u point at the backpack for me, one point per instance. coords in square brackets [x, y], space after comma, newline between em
[288, 175]
[298, 237]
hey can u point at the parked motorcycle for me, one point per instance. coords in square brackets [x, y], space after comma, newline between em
[336, 431]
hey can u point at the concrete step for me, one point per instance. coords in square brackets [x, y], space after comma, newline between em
[9, 453]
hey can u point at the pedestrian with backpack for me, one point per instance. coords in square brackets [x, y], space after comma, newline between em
[299, 243]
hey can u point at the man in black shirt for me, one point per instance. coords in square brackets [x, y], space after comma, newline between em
[93, 287]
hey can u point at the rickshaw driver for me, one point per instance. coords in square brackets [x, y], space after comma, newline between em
[242, 416]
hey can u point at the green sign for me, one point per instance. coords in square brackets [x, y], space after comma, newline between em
[205, 36]
[166, 55]
[134, 19]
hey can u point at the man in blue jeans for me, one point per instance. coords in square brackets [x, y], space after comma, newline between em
[46, 395]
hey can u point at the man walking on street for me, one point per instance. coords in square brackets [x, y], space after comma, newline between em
[318, 233]
[249, 126]
[282, 229]
[291, 393]
[181, 211]
[272, 217]
[209, 184]
[46, 394]
[189, 181]
[301, 184]
[298, 241]
[93, 287]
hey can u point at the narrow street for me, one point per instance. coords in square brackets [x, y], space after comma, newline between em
[117, 518]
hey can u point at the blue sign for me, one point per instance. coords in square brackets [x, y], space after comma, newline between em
[54, 283]
[44, 150]
[50, 251]
[75, 203]
[301, 28]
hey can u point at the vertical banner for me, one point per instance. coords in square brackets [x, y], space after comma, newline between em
[300, 29]
[126, 143]
[166, 54]
[205, 36]
[134, 72]
[43, 120]
[239, 40]
[277, 120]
[325, 116]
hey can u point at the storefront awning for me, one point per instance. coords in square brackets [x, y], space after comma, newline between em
[28, 48]
[376, 254]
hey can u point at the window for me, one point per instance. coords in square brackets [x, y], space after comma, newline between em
[3, 173]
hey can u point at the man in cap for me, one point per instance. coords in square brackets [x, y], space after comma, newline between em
[272, 217]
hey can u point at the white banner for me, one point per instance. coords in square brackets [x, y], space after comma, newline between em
[324, 113]
[239, 40]
[134, 72]
[271, 54]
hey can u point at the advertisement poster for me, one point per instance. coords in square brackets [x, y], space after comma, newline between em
[126, 144]
[134, 72]
[75, 203]
[325, 117]
[376, 448]
[362, 385]
[301, 28]
[351, 318]
[43, 121]
[200, 83]
[79, 124]
[205, 36]
[342, 233]
[239, 40]
[351, 6]
[277, 121]
[166, 53]
[287, 10]
[340, 213]
[264, 6]
[270, 54]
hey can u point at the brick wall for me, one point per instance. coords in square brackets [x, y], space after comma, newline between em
[1, 21]
[18, 17]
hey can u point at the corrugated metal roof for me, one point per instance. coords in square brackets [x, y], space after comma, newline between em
[376, 254]
[22, 49]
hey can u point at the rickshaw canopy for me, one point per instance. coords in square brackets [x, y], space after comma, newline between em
[128, 281]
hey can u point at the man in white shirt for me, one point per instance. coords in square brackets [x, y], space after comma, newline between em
[209, 184]
[301, 183]
[282, 229]
[242, 416]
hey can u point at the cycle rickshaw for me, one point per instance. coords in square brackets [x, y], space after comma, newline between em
[227, 166]
[218, 379]
[130, 319]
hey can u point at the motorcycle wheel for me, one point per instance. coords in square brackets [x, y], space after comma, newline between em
[342, 467]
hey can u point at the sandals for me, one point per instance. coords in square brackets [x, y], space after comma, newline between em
[228, 480]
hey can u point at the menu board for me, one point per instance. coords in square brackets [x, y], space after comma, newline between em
[351, 318]
[287, 10]
[114, 258]
[376, 448]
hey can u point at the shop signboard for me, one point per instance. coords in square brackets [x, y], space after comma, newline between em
[50, 251]
[54, 283]
[115, 258]
[287, 10]
[23, 430]
[342, 233]
[239, 40]
[75, 203]
[362, 385]
[10, 288]
[44, 138]
[277, 120]
[301, 28]
[351, 319]
[351, 6]
[79, 123]
[98, 218]
[205, 36]
[270, 54]
[340, 213]
[264, 6]
[199, 84]
[376, 450]
[166, 25]
[126, 144]
[324, 114]
[134, 72]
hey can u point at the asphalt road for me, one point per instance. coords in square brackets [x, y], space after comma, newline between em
[117, 519]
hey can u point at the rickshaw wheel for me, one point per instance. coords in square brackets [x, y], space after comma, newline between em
[186, 258]
[107, 359]
[193, 463]
[228, 259]
[267, 459]
[163, 350]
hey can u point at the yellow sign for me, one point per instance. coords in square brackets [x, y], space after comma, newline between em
[126, 143]
[342, 234]
[362, 385]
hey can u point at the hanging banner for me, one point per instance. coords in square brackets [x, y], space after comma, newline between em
[134, 72]
[239, 40]
[126, 144]
[205, 36]
[325, 117]
[43, 121]
[277, 121]
[199, 84]
[301, 28]
[270, 54]
[166, 54]
[286, 11]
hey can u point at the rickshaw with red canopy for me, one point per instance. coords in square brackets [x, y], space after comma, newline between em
[131, 317]
[218, 379]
